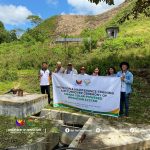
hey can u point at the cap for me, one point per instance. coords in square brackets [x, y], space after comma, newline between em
[82, 68]
[58, 63]
[69, 64]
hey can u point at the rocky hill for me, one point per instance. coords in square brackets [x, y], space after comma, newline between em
[74, 24]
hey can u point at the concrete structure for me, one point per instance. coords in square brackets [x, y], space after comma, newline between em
[29, 104]
[68, 118]
[100, 133]
[112, 32]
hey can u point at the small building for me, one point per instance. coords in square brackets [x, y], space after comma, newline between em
[112, 32]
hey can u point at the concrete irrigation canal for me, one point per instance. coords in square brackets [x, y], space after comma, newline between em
[71, 130]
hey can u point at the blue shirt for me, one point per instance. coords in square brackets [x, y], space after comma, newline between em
[127, 81]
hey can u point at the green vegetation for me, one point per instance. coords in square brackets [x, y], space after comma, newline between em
[7, 36]
[20, 60]
[35, 46]
[8, 75]
[41, 32]
[34, 19]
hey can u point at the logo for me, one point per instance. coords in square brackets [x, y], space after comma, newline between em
[30, 122]
[20, 122]
[98, 130]
[79, 82]
[87, 81]
[67, 130]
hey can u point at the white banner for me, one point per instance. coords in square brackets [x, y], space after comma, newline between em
[91, 93]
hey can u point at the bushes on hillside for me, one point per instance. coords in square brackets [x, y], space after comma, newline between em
[7, 36]
[8, 75]
[33, 35]
[122, 43]
[89, 44]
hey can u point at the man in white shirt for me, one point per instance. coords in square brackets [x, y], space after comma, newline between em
[44, 77]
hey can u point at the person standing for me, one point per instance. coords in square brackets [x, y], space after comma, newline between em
[83, 71]
[44, 77]
[111, 72]
[70, 69]
[59, 68]
[96, 72]
[126, 82]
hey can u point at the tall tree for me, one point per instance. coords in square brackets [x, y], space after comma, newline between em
[109, 2]
[7, 36]
[12, 35]
[2, 26]
[4, 35]
[34, 19]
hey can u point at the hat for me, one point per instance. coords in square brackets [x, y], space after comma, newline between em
[69, 64]
[82, 68]
[58, 63]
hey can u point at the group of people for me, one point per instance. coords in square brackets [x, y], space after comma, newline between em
[125, 75]
[71, 70]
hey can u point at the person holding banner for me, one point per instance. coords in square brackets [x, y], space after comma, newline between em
[59, 68]
[111, 72]
[96, 72]
[44, 77]
[83, 71]
[126, 82]
[70, 70]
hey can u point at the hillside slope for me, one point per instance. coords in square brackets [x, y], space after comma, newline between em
[74, 24]
[132, 45]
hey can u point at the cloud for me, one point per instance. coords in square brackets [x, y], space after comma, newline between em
[14, 15]
[53, 2]
[84, 7]
[63, 13]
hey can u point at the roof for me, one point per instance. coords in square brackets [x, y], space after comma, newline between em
[113, 27]
[68, 40]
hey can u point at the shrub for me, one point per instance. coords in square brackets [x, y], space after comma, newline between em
[8, 75]
[123, 43]
[89, 44]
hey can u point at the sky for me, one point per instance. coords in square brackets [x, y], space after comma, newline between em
[14, 13]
